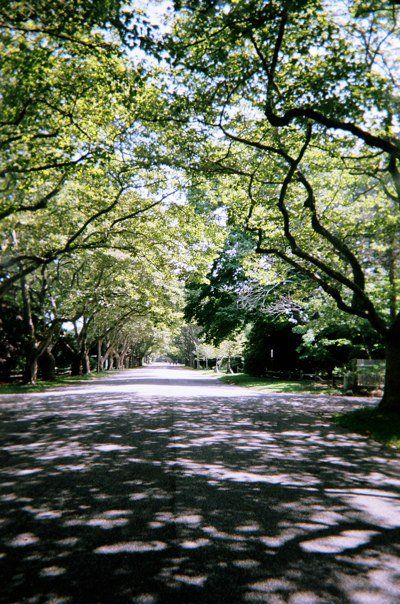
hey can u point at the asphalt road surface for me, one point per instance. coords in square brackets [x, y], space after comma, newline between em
[162, 485]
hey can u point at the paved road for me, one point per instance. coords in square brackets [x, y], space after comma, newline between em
[162, 485]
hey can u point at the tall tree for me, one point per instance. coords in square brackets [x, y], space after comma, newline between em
[296, 112]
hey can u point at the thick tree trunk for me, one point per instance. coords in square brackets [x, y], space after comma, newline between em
[31, 354]
[31, 369]
[81, 366]
[86, 362]
[105, 362]
[99, 355]
[116, 360]
[391, 396]
[47, 364]
[76, 365]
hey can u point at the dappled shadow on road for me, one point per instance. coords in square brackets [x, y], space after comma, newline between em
[259, 499]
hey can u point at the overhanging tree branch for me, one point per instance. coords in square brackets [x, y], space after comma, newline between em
[331, 290]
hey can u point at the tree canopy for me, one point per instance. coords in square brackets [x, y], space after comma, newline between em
[293, 108]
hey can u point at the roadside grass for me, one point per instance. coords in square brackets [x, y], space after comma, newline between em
[61, 380]
[383, 427]
[276, 385]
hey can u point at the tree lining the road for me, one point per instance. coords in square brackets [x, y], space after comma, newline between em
[283, 332]
[300, 134]
[95, 236]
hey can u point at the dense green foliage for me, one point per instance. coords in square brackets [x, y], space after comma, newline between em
[310, 337]
[95, 236]
[291, 110]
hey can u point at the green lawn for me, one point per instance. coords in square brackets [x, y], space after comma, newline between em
[61, 380]
[383, 427]
[274, 385]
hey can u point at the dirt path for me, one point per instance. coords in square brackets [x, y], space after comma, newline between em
[163, 485]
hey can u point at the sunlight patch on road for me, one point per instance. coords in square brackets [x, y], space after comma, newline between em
[42, 513]
[248, 528]
[52, 571]
[190, 519]
[197, 580]
[276, 541]
[23, 540]
[377, 506]
[72, 467]
[132, 547]
[246, 564]
[68, 541]
[27, 472]
[327, 517]
[217, 534]
[195, 543]
[218, 472]
[305, 597]
[107, 523]
[335, 544]
[138, 496]
[107, 447]
[116, 513]
[144, 599]
[271, 585]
